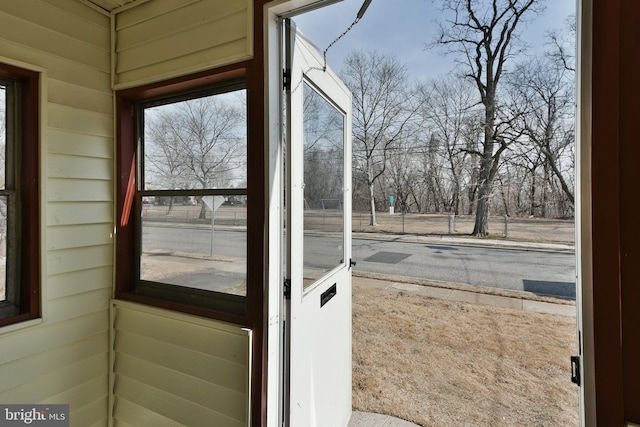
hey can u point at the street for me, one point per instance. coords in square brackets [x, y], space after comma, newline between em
[541, 272]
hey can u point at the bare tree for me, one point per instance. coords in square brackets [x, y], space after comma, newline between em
[323, 146]
[543, 88]
[382, 110]
[483, 36]
[196, 144]
[449, 111]
[402, 174]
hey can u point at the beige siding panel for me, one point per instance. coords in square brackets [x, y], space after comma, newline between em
[80, 121]
[183, 411]
[76, 96]
[28, 34]
[89, 395]
[55, 382]
[146, 11]
[24, 343]
[28, 368]
[56, 19]
[60, 142]
[74, 190]
[79, 305]
[76, 236]
[62, 285]
[58, 68]
[164, 39]
[193, 389]
[83, 212]
[203, 37]
[83, 394]
[96, 413]
[76, 8]
[179, 368]
[62, 166]
[67, 260]
[64, 358]
[227, 374]
[208, 59]
[226, 342]
[128, 413]
[204, 13]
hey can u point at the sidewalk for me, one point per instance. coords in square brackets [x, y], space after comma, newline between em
[465, 241]
[518, 300]
[366, 419]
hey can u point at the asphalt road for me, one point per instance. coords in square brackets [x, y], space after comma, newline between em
[541, 272]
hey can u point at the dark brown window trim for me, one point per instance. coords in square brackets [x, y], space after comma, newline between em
[126, 257]
[29, 189]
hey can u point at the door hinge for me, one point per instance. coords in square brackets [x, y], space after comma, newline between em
[286, 79]
[575, 370]
[287, 288]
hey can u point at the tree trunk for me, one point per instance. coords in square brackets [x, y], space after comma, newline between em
[481, 226]
[372, 205]
[203, 212]
[532, 194]
[486, 174]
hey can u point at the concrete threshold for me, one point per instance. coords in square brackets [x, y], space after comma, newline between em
[368, 419]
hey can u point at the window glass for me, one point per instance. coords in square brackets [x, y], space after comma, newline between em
[196, 144]
[193, 199]
[19, 120]
[323, 185]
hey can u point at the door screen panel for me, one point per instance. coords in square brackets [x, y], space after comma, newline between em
[323, 141]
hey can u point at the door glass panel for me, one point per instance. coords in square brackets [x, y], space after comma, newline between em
[323, 186]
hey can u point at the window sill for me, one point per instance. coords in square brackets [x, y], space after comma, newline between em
[20, 325]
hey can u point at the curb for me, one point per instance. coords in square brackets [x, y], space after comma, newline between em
[467, 241]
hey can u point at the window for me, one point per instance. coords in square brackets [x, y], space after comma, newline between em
[323, 164]
[190, 201]
[19, 218]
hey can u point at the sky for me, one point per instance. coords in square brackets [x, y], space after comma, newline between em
[402, 28]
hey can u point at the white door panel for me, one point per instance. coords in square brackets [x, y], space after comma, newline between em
[319, 241]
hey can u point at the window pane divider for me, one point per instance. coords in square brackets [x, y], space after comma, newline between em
[207, 192]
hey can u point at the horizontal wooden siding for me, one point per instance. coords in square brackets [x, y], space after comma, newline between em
[169, 38]
[65, 358]
[172, 369]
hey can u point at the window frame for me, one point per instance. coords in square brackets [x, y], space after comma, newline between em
[22, 189]
[215, 305]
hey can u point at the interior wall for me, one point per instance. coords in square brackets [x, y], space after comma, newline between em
[162, 39]
[63, 357]
[171, 368]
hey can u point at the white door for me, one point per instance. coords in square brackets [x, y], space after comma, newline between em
[318, 230]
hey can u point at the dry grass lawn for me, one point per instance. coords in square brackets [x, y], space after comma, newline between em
[443, 363]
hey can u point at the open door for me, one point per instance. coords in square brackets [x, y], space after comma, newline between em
[318, 236]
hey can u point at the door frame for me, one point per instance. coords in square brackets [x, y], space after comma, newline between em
[589, 344]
